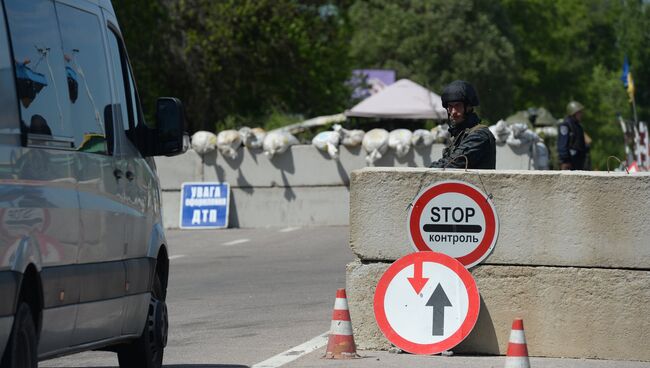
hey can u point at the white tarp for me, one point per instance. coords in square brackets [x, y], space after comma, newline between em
[403, 99]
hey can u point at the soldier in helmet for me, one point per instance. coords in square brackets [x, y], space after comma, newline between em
[571, 146]
[470, 139]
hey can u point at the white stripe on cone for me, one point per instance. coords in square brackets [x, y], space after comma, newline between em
[341, 304]
[517, 362]
[517, 337]
[341, 328]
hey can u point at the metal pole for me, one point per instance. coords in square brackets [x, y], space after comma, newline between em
[636, 121]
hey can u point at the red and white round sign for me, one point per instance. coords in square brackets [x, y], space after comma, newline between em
[454, 218]
[426, 303]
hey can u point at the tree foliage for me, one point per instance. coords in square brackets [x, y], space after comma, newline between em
[633, 30]
[251, 61]
[519, 54]
[236, 62]
[434, 42]
[574, 49]
[558, 44]
[143, 24]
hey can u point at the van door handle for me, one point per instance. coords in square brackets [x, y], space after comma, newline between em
[118, 173]
[130, 176]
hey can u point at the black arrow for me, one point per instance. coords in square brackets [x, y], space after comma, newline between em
[452, 228]
[438, 301]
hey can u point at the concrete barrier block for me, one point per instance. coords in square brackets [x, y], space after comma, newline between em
[274, 207]
[360, 284]
[174, 171]
[299, 166]
[171, 206]
[590, 219]
[509, 158]
[567, 311]
[280, 207]
[302, 165]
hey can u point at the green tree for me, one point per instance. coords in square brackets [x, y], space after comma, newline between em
[600, 120]
[144, 28]
[240, 61]
[574, 49]
[245, 62]
[558, 43]
[633, 29]
[434, 42]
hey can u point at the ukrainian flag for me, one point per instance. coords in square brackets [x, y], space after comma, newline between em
[626, 78]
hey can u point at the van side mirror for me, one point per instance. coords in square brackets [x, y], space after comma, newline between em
[170, 120]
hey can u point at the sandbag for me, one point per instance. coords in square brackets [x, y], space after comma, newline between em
[375, 143]
[422, 137]
[203, 142]
[520, 136]
[252, 138]
[500, 131]
[540, 156]
[349, 138]
[276, 142]
[441, 133]
[328, 142]
[228, 142]
[400, 141]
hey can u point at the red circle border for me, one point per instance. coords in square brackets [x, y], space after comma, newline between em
[461, 333]
[491, 233]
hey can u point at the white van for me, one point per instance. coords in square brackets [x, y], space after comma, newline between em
[83, 257]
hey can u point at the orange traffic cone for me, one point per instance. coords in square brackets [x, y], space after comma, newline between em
[517, 356]
[341, 341]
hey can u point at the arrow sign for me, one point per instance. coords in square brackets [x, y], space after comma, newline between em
[417, 281]
[441, 283]
[439, 301]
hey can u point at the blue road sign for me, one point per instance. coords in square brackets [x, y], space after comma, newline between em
[204, 205]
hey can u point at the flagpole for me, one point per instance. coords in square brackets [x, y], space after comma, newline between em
[628, 82]
[636, 121]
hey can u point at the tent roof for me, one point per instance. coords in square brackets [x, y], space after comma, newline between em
[520, 117]
[403, 99]
[543, 117]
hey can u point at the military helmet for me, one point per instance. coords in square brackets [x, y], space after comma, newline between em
[573, 107]
[459, 91]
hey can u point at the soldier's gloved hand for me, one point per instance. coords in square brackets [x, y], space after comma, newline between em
[565, 166]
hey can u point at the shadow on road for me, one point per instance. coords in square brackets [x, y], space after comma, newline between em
[190, 366]
[205, 366]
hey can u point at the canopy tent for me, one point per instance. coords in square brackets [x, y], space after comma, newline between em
[534, 116]
[403, 99]
[520, 117]
[544, 118]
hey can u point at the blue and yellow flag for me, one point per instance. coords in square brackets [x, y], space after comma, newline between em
[626, 78]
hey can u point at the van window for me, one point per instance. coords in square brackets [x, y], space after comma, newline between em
[128, 99]
[123, 109]
[8, 99]
[39, 68]
[61, 77]
[87, 78]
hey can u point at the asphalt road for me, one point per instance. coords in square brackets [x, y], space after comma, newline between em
[237, 297]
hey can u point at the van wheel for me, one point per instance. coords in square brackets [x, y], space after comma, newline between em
[147, 351]
[21, 348]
